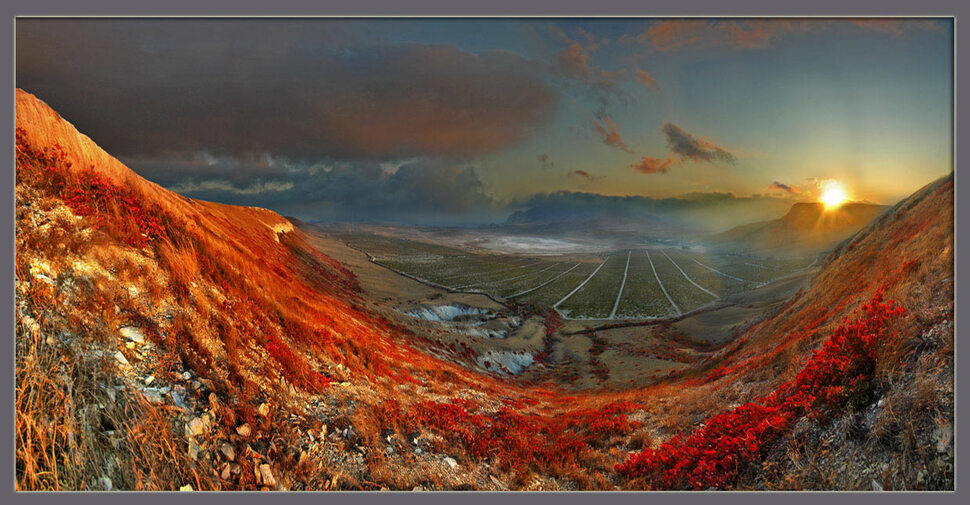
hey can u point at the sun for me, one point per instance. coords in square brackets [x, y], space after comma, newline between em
[833, 195]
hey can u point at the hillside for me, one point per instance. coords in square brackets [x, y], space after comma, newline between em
[695, 213]
[807, 227]
[168, 343]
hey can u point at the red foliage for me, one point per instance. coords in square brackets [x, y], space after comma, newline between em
[295, 368]
[518, 441]
[835, 376]
[113, 208]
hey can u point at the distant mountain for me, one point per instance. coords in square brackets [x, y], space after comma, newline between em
[807, 227]
[692, 214]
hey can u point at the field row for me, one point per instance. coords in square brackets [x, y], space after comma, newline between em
[630, 284]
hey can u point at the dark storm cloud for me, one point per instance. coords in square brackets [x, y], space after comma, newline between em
[424, 191]
[298, 89]
[688, 146]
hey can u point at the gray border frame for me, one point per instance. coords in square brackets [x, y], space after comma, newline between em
[445, 8]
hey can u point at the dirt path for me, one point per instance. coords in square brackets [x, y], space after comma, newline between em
[581, 284]
[662, 288]
[550, 281]
[702, 288]
[619, 294]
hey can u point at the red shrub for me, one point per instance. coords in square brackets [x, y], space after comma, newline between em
[837, 375]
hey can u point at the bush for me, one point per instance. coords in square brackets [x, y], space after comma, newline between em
[835, 377]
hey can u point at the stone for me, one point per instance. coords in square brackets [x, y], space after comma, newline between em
[133, 334]
[451, 462]
[149, 380]
[876, 486]
[228, 451]
[267, 475]
[226, 472]
[105, 483]
[263, 409]
[323, 431]
[418, 451]
[197, 426]
[244, 430]
[186, 375]
[194, 449]
[187, 487]
[121, 359]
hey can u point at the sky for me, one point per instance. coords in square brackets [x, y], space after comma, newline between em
[458, 121]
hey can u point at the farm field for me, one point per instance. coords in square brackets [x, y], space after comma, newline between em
[686, 295]
[595, 299]
[628, 284]
[642, 296]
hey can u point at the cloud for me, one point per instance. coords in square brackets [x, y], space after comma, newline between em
[574, 61]
[688, 146]
[191, 187]
[783, 187]
[299, 89]
[606, 128]
[545, 162]
[646, 79]
[650, 165]
[756, 33]
[585, 175]
[416, 192]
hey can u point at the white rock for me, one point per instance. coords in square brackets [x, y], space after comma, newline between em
[229, 451]
[244, 430]
[121, 359]
[267, 475]
[105, 483]
[149, 380]
[876, 486]
[187, 487]
[197, 426]
[133, 334]
[452, 463]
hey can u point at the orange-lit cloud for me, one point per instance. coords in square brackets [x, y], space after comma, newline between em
[754, 33]
[646, 79]
[611, 137]
[650, 165]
